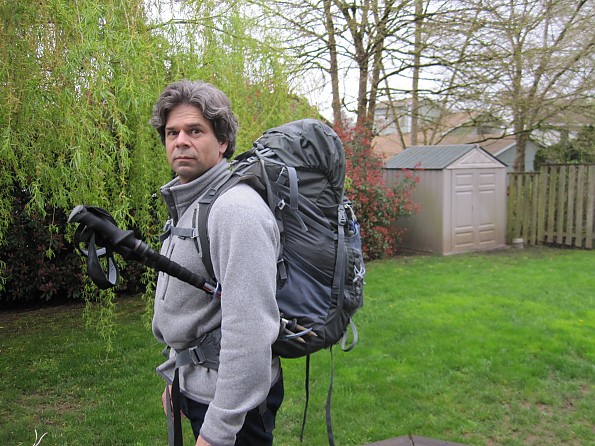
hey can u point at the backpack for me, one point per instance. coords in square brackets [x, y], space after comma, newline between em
[299, 170]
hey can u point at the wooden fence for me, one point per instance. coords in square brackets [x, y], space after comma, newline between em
[555, 205]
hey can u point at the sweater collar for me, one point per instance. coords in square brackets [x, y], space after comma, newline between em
[178, 197]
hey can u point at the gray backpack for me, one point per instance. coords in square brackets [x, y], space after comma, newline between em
[299, 170]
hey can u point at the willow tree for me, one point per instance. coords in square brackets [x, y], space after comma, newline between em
[78, 84]
[224, 43]
[79, 79]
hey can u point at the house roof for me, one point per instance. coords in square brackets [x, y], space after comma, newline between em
[392, 144]
[431, 157]
[388, 145]
[498, 145]
[494, 144]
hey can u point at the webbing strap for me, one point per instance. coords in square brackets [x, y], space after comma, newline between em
[178, 439]
[202, 241]
[183, 232]
[200, 218]
[354, 340]
[293, 188]
[339, 276]
[307, 388]
[94, 269]
[169, 414]
[196, 356]
[294, 197]
[329, 421]
[204, 352]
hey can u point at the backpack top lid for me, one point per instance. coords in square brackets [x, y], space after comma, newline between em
[309, 144]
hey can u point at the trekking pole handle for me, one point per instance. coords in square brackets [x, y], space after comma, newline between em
[115, 237]
[124, 243]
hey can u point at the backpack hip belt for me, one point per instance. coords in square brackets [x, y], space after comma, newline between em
[203, 351]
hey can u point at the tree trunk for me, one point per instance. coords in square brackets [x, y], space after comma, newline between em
[416, 72]
[521, 149]
[334, 65]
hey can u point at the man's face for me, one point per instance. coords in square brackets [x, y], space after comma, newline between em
[190, 142]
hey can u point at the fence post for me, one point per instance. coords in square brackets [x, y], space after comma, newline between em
[571, 189]
[512, 207]
[541, 212]
[534, 208]
[528, 221]
[580, 199]
[589, 230]
[522, 205]
[551, 206]
[560, 206]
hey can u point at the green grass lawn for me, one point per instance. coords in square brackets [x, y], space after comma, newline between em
[482, 349]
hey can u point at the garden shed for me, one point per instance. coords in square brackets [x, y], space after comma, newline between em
[461, 194]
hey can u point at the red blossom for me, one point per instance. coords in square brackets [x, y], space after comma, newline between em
[377, 205]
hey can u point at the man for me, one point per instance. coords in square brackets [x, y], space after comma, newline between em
[236, 402]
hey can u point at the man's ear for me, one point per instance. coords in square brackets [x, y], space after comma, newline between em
[223, 147]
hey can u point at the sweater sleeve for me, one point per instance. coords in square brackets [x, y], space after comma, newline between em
[244, 242]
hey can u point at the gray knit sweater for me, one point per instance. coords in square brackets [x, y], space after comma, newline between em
[244, 241]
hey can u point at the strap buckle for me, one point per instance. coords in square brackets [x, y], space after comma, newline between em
[166, 231]
[342, 216]
[197, 356]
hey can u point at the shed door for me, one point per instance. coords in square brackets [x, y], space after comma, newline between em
[474, 210]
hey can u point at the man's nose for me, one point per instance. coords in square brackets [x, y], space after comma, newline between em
[182, 138]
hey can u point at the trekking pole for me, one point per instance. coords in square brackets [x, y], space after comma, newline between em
[97, 226]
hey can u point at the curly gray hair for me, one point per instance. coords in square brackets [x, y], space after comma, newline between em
[212, 102]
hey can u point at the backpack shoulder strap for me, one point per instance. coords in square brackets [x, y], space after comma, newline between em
[249, 168]
[200, 220]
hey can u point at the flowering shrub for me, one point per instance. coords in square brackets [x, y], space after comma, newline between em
[376, 205]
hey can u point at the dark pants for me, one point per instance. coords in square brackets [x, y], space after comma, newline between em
[258, 426]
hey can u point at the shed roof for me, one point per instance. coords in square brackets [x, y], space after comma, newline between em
[431, 157]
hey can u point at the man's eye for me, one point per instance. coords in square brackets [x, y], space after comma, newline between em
[194, 131]
[171, 133]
